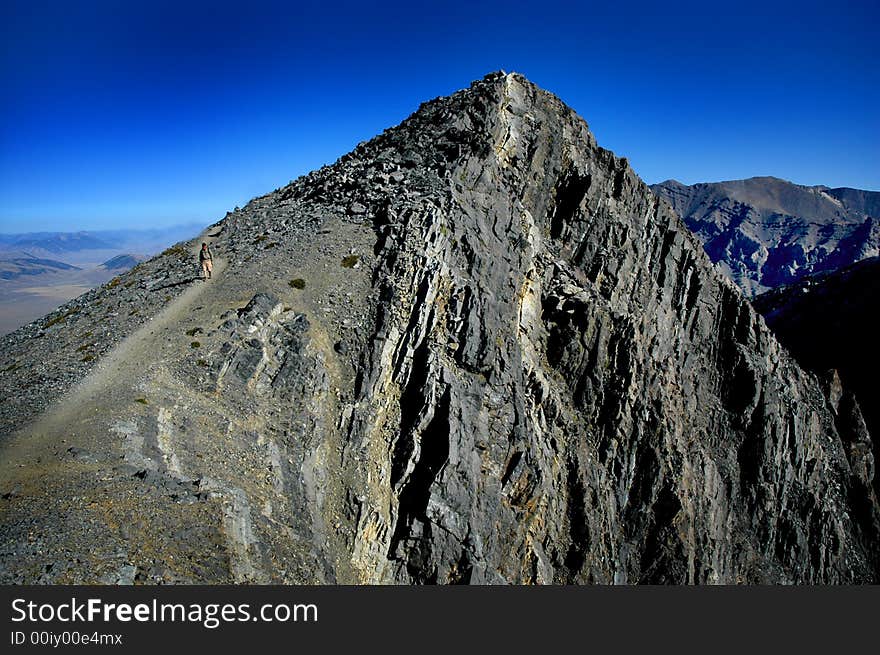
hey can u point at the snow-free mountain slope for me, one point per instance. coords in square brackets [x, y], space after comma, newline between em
[477, 349]
[765, 232]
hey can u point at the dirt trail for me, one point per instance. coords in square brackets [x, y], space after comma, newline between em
[163, 465]
[115, 378]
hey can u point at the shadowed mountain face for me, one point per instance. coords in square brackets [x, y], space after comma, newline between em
[829, 321]
[476, 349]
[765, 232]
[857, 200]
[122, 262]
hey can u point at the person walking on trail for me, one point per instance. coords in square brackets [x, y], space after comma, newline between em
[206, 258]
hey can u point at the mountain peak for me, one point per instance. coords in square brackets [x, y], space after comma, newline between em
[476, 349]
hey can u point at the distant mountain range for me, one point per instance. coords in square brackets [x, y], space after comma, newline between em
[90, 248]
[765, 232]
[16, 267]
[41, 270]
[54, 242]
[26, 267]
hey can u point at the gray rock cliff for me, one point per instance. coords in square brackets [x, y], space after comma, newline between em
[477, 349]
[828, 321]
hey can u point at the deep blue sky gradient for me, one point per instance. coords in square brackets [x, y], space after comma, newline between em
[150, 113]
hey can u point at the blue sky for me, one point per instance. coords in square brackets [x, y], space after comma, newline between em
[155, 113]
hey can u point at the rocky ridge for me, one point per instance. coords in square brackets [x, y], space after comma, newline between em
[477, 349]
[828, 322]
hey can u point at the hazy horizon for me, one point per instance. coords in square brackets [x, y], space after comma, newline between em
[4, 231]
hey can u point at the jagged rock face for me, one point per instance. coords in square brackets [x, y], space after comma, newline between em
[764, 232]
[829, 323]
[499, 358]
[565, 390]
